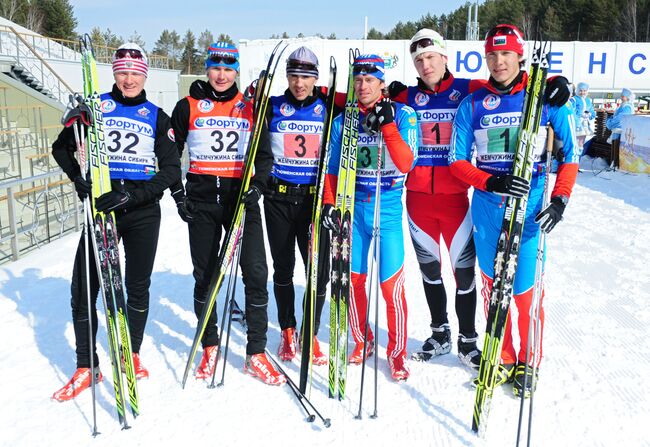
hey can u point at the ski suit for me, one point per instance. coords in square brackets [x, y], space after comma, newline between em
[489, 119]
[217, 130]
[399, 155]
[437, 203]
[137, 130]
[295, 129]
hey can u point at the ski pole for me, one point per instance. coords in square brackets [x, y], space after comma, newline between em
[533, 336]
[377, 230]
[300, 396]
[230, 296]
[81, 150]
[229, 304]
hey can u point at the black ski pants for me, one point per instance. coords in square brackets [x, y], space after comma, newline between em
[138, 229]
[287, 223]
[205, 238]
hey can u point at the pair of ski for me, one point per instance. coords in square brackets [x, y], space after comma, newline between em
[509, 242]
[105, 242]
[342, 241]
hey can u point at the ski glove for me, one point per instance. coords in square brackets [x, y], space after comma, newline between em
[79, 113]
[83, 187]
[552, 214]
[251, 197]
[381, 115]
[558, 91]
[199, 89]
[113, 200]
[508, 185]
[331, 218]
[185, 209]
[395, 88]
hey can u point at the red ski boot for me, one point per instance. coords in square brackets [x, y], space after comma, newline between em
[318, 357]
[287, 349]
[258, 365]
[208, 363]
[398, 369]
[80, 381]
[140, 371]
[356, 356]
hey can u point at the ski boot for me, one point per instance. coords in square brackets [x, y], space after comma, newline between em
[140, 371]
[208, 363]
[357, 357]
[522, 371]
[287, 348]
[80, 380]
[504, 374]
[468, 353]
[438, 344]
[258, 365]
[318, 357]
[398, 369]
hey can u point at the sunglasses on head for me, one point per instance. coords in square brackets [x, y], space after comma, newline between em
[295, 65]
[126, 52]
[422, 43]
[222, 59]
[363, 69]
[503, 30]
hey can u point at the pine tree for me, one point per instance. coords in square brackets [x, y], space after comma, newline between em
[58, 19]
[137, 38]
[205, 39]
[189, 57]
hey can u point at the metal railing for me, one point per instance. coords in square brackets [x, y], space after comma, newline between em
[64, 49]
[38, 210]
[13, 43]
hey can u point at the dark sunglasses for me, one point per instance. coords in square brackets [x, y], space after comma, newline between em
[362, 69]
[125, 52]
[222, 59]
[295, 65]
[502, 30]
[422, 43]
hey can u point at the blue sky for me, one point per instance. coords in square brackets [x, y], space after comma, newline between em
[253, 19]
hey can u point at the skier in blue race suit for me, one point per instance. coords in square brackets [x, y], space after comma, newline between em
[397, 125]
[488, 120]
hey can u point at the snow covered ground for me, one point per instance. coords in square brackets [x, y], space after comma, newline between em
[591, 390]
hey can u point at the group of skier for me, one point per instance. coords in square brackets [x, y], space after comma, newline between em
[425, 137]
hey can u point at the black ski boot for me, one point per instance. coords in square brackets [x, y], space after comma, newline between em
[468, 353]
[522, 371]
[505, 374]
[438, 344]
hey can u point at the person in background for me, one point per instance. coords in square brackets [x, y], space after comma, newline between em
[583, 110]
[626, 107]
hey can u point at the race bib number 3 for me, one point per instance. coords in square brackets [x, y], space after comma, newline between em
[301, 146]
[435, 133]
[368, 157]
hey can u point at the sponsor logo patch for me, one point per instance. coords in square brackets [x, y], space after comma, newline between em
[170, 135]
[287, 109]
[421, 99]
[205, 105]
[318, 110]
[454, 96]
[499, 40]
[108, 106]
[491, 102]
[144, 112]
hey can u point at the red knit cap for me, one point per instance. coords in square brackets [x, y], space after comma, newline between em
[505, 38]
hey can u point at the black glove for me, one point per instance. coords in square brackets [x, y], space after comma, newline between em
[80, 112]
[558, 91]
[83, 187]
[199, 89]
[185, 209]
[395, 88]
[251, 197]
[331, 218]
[381, 115]
[113, 200]
[552, 214]
[508, 185]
